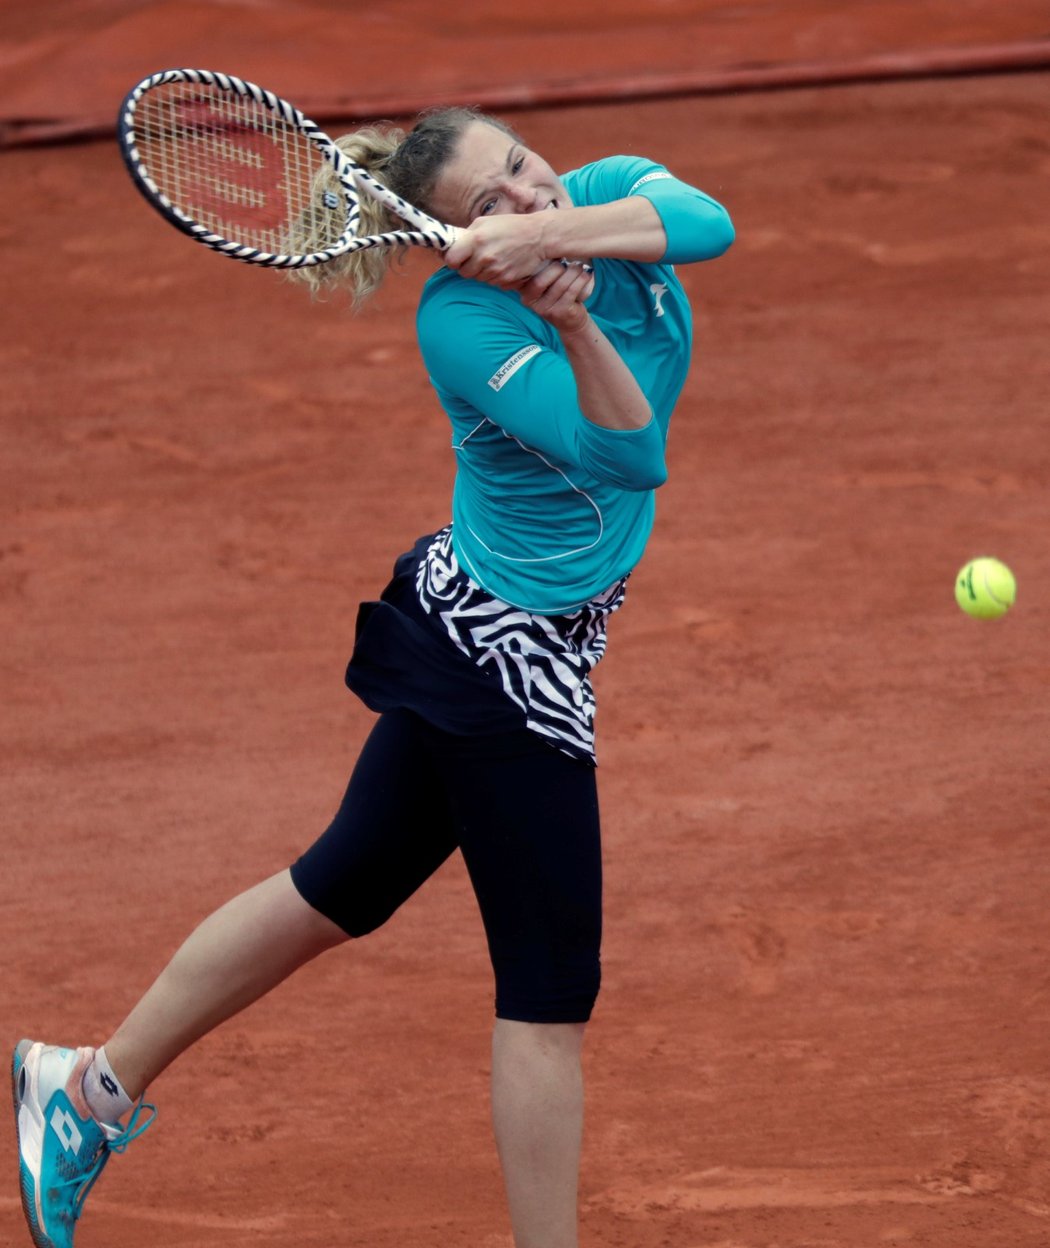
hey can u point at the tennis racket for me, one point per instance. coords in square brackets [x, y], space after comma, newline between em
[234, 167]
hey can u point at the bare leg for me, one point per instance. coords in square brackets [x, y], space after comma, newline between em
[233, 958]
[537, 1110]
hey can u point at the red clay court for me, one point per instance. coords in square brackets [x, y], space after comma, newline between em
[826, 1003]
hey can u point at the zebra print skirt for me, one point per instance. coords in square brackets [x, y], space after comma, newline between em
[439, 644]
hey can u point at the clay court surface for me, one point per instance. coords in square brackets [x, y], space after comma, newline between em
[826, 1005]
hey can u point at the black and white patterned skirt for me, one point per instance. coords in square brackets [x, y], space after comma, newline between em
[439, 644]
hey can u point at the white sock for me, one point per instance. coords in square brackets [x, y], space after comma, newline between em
[106, 1099]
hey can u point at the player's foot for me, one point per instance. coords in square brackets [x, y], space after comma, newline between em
[62, 1147]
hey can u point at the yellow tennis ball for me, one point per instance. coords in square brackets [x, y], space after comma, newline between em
[985, 588]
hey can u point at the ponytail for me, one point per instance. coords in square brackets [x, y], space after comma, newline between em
[360, 272]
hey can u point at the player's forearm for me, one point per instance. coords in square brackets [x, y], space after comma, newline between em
[607, 392]
[682, 226]
[620, 441]
[629, 229]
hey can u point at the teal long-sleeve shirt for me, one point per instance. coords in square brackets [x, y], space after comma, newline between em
[548, 508]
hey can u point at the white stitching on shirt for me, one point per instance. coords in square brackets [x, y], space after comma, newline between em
[571, 484]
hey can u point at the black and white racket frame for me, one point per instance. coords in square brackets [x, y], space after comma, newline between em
[353, 180]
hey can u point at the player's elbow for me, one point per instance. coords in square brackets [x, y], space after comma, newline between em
[659, 478]
[629, 459]
[651, 478]
[639, 476]
[704, 235]
[715, 235]
[723, 235]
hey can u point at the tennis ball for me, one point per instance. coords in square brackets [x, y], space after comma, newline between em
[985, 588]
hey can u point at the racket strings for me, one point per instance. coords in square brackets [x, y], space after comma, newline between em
[234, 166]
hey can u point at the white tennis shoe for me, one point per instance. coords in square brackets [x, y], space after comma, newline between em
[62, 1147]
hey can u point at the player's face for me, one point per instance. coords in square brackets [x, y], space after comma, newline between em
[491, 174]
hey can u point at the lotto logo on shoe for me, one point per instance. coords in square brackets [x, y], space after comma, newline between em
[65, 1127]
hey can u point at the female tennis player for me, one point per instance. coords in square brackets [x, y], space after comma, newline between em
[557, 338]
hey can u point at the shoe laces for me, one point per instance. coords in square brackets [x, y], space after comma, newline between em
[119, 1142]
[116, 1143]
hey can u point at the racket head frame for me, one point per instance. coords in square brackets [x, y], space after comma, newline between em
[353, 179]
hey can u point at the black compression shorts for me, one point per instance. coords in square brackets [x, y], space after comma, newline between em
[525, 817]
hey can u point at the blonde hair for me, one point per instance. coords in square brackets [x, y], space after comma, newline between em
[410, 164]
[360, 272]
